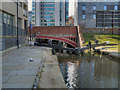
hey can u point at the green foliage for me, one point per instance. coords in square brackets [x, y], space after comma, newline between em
[113, 39]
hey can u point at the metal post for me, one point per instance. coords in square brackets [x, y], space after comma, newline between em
[30, 33]
[17, 28]
[90, 45]
[112, 22]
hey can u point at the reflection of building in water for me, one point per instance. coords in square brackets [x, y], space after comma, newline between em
[106, 72]
[85, 72]
[68, 72]
[98, 73]
[78, 63]
[72, 74]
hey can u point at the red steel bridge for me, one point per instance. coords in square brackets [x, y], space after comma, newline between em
[66, 34]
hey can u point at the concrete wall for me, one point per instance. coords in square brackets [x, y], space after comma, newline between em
[89, 22]
[11, 8]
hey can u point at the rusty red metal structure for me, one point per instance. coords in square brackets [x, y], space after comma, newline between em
[66, 34]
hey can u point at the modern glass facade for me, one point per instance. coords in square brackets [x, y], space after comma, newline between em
[47, 13]
[67, 11]
[51, 13]
[33, 12]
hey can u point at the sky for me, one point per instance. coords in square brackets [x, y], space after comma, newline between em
[71, 8]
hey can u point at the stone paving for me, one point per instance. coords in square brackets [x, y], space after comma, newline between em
[17, 70]
[20, 66]
[51, 76]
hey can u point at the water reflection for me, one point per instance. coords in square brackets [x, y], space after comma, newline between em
[89, 71]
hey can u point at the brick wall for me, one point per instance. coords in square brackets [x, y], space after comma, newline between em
[72, 30]
[101, 30]
[55, 30]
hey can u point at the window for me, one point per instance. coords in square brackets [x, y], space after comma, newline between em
[49, 5]
[48, 12]
[48, 16]
[94, 7]
[49, 20]
[33, 20]
[7, 18]
[49, 9]
[50, 24]
[33, 16]
[20, 4]
[83, 16]
[33, 13]
[33, 9]
[115, 7]
[83, 7]
[105, 7]
[19, 22]
[1, 17]
[33, 5]
[67, 5]
[94, 16]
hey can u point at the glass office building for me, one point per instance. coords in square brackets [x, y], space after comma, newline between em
[50, 13]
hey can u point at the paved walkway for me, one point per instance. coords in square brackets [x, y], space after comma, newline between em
[51, 76]
[20, 68]
[17, 70]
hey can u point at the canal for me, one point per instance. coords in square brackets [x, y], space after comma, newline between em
[90, 70]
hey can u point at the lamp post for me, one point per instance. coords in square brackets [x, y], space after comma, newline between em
[30, 32]
[17, 28]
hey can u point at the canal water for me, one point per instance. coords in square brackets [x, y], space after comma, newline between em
[90, 70]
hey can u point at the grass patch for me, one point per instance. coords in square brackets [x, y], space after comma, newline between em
[113, 39]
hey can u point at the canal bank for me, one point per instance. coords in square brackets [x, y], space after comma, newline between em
[106, 51]
[27, 67]
[51, 76]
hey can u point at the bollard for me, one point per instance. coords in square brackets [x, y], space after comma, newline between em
[68, 52]
[96, 41]
[94, 49]
[90, 45]
[77, 52]
[61, 51]
[49, 42]
[53, 51]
